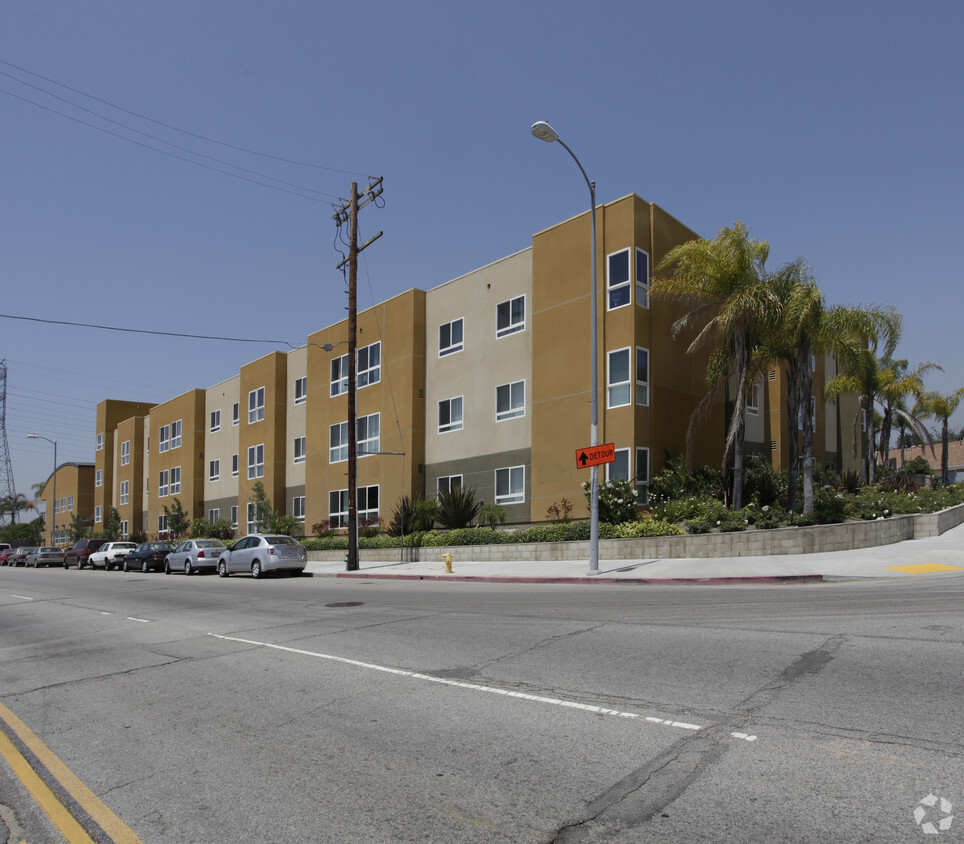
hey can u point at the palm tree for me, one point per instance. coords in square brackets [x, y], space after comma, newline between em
[941, 407]
[861, 372]
[15, 503]
[723, 282]
[896, 383]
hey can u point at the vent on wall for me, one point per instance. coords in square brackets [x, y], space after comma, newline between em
[773, 445]
[421, 393]
[421, 468]
[773, 375]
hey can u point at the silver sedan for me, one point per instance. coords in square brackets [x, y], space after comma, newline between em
[259, 554]
[46, 556]
[194, 555]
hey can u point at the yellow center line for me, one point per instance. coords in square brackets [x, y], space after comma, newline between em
[52, 804]
[924, 568]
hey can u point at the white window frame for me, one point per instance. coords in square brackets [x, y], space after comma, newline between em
[642, 474]
[176, 434]
[252, 517]
[300, 449]
[98, 513]
[235, 465]
[618, 286]
[511, 392]
[125, 455]
[215, 421]
[338, 515]
[367, 443]
[70, 503]
[124, 493]
[368, 369]
[624, 457]
[642, 278]
[298, 507]
[214, 470]
[124, 529]
[510, 497]
[214, 515]
[164, 439]
[338, 445]
[162, 523]
[234, 516]
[450, 346]
[99, 443]
[256, 405]
[163, 482]
[366, 508]
[176, 480]
[615, 390]
[99, 477]
[236, 413]
[444, 483]
[512, 323]
[642, 384]
[301, 389]
[447, 409]
[255, 461]
[338, 374]
[753, 398]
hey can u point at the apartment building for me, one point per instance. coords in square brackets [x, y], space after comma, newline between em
[480, 382]
[75, 497]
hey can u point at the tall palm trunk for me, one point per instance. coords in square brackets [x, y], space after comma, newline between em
[804, 355]
[738, 433]
[793, 443]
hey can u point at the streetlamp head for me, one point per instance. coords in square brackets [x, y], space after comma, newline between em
[544, 132]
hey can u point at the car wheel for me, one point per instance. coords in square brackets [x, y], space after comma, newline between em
[124, 566]
[145, 568]
[188, 570]
[167, 567]
[256, 569]
[222, 569]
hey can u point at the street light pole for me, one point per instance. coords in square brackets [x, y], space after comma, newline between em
[544, 132]
[53, 515]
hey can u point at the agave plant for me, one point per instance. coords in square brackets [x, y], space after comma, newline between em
[411, 515]
[457, 508]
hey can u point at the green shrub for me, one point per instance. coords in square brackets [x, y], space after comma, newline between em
[456, 507]
[491, 515]
[699, 526]
[617, 501]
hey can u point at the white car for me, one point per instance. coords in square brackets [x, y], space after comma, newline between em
[258, 554]
[110, 555]
[194, 555]
[46, 556]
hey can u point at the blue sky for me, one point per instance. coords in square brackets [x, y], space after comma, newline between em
[832, 129]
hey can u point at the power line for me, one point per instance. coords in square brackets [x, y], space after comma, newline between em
[177, 129]
[147, 331]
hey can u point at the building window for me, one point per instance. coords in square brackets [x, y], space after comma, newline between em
[252, 523]
[338, 442]
[367, 503]
[450, 338]
[642, 376]
[125, 491]
[125, 452]
[642, 475]
[163, 481]
[176, 434]
[98, 513]
[368, 431]
[256, 462]
[162, 523]
[100, 442]
[214, 515]
[339, 375]
[234, 516]
[298, 507]
[214, 470]
[618, 470]
[753, 399]
[618, 378]
[215, 420]
[164, 439]
[338, 508]
[642, 278]
[510, 316]
[300, 449]
[234, 465]
[510, 401]
[617, 279]
[450, 415]
[301, 389]
[99, 477]
[70, 503]
[176, 480]
[449, 483]
[236, 413]
[510, 485]
[369, 365]
[124, 529]
[256, 405]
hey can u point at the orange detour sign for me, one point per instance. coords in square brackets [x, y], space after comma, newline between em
[595, 455]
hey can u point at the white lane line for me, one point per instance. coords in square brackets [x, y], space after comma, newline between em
[141, 620]
[21, 597]
[400, 672]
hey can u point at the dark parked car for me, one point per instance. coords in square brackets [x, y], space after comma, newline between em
[148, 556]
[81, 551]
[6, 556]
[20, 556]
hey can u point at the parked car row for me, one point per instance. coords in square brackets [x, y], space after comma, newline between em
[255, 554]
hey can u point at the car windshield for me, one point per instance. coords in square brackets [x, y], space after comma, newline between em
[279, 540]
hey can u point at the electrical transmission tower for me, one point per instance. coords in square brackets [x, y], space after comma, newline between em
[7, 488]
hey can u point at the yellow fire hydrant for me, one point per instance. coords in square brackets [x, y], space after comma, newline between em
[447, 556]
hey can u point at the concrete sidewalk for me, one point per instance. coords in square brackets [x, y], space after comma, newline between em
[913, 557]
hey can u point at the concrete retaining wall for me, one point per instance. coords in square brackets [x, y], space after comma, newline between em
[751, 543]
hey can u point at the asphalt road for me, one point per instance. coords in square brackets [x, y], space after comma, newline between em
[324, 710]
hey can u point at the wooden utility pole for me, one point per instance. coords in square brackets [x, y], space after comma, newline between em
[349, 213]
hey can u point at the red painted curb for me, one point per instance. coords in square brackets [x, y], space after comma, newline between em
[685, 581]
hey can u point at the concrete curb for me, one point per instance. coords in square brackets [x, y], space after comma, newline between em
[578, 581]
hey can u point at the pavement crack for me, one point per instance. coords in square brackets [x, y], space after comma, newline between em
[542, 643]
